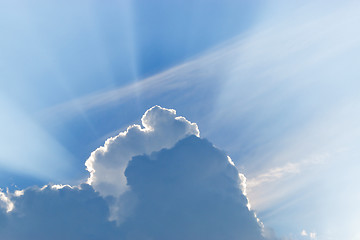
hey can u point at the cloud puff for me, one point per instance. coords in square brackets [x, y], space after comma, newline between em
[5, 202]
[311, 235]
[161, 129]
[159, 182]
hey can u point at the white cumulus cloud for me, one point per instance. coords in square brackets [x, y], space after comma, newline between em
[161, 128]
[158, 181]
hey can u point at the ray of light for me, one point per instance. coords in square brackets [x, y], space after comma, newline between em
[26, 148]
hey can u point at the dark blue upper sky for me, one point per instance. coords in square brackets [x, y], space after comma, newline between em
[179, 30]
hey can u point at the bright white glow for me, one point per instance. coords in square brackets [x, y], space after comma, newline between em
[230, 161]
[18, 193]
[5, 202]
[107, 164]
[60, 186]
[312, 235]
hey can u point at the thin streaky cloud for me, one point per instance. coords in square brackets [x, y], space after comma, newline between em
[238, 56]
[176, 78]
[290, 168]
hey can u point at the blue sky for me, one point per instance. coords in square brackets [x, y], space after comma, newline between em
[272, 83]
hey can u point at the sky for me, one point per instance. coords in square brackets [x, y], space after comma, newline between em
[257, 106]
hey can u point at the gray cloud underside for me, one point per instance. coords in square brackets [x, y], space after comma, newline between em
[190, 191]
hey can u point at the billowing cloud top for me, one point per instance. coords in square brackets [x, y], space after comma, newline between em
[158, 182]
[161, 129]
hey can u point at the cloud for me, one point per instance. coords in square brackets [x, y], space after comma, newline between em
[190, 191]
[272, 181]
[161, 129]
[171, 189]
[5, 202]
[290, 168]
[310, 235]
[54, 212]
[159, 181]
